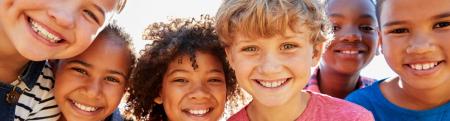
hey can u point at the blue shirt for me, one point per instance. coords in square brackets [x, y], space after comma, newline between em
[373, 100]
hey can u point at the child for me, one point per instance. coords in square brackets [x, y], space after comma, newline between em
[90, 86]
[184, 75]
[271, 45]
[414, 41]
[353, 47]
[32, 31]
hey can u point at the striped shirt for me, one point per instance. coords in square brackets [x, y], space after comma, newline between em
[37, 101]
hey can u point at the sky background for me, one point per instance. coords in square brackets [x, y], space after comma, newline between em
[139, 13]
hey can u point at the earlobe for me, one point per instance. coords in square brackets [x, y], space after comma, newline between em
[158, 100]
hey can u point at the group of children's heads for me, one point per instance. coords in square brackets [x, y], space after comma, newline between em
[192, 69]
[183, 74]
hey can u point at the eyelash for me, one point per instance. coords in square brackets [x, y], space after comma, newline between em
[91, 15]
[249, 49]
[79, 70]
[441, 25]
[285, 46]
[180, 80]
[398, 31]
[112, 79]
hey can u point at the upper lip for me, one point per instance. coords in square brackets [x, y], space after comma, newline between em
[419, 60]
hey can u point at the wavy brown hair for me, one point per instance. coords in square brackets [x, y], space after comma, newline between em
[170, 40]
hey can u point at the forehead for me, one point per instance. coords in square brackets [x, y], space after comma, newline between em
[107, 5]
[205, 61]
[417, 10]
[350, 6]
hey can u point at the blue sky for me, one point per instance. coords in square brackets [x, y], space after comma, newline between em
[140, 13]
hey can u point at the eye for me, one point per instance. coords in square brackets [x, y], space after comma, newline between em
[180, 80]
[366, 28]
[91, 15]
[249, 49]
[441, 25]
[336, 28]
[79, 70]
[399, 31]
[215, 80]
[287, 46]
[112, 79]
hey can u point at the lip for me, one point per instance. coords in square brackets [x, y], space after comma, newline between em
[82, 112]
[41, 39]
[424, 73]
[195, 117]
[361, 48]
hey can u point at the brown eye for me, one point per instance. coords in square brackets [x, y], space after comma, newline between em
[79, 70]
[441, 25]
[112, 79]
[399, 31]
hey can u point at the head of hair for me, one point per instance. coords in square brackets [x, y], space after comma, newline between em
[179, 37]
[120, 5]
[116, 34]
[267, 18]
[378, 10]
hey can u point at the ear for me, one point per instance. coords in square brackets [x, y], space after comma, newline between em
[158, 100]
[317, 53]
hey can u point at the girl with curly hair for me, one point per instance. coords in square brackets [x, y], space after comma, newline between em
[183, 75]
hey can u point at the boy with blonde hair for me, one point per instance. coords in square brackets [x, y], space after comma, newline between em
[271, 45]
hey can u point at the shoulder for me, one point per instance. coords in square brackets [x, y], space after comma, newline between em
[364, 94]
[239, 116]
[338, 109]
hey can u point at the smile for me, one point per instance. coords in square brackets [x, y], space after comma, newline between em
[424, 66]
[44, 33]
[197, 112]
[272, 83]
[85, 107]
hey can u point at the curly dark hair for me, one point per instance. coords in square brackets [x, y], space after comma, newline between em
[170, 40]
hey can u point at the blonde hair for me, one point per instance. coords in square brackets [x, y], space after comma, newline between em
[266, 18]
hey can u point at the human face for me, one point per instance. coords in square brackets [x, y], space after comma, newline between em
[356, 38]
[194, 95]
[90, 86]
[415, 36]
[273, 70]
[53, 29]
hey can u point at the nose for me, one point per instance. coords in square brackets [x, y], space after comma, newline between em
[93, 88]
[420, 44]
[64, 14]
[270, 64]
[350, 34]
[200, 92]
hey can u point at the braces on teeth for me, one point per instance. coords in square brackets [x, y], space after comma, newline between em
[44, 33]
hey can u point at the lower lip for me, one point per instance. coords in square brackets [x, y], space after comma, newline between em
[38, 37]
[422, 73]
[204, 117]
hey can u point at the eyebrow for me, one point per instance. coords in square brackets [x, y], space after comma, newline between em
[177, 70]
[216, 70]
[80, 62]
[443, 15]
[392, 23]
[367, 16]
[361, 16]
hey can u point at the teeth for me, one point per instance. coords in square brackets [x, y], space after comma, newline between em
[85, 107]
[272, 84]
[424, 66]
[198, 112]
[44, 33]
[349, 52]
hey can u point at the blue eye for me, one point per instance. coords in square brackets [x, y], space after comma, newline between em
[249, 49]
[441, 25]
[92, 16]
[286, 46]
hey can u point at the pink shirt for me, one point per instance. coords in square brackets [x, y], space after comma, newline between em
[313, 82]
[322, 108]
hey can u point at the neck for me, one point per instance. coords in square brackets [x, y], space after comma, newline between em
[337, 84]
[11, 62]
[288, 111]
[423, 99]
